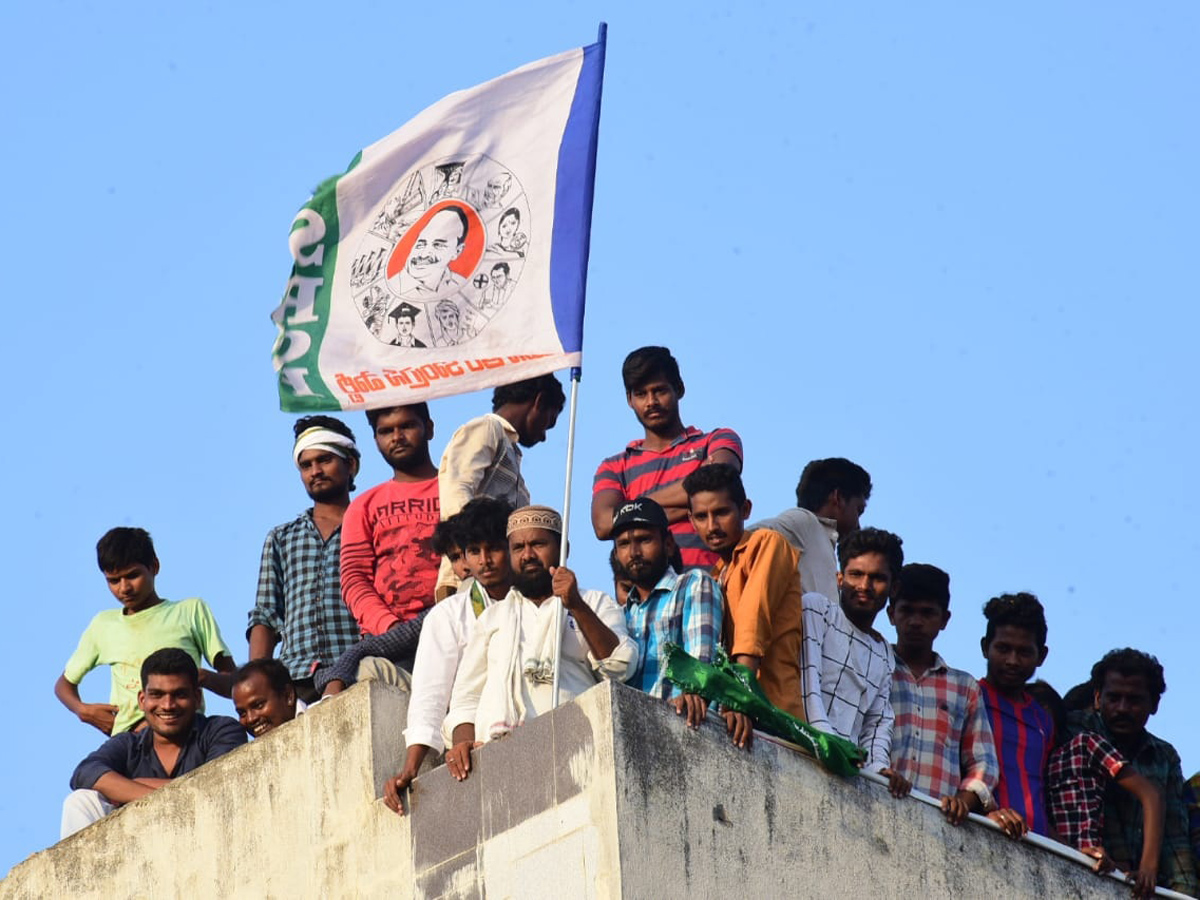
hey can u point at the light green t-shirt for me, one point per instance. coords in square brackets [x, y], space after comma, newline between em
[123, 643]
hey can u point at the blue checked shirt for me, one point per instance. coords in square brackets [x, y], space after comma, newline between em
[300, 596]
[686, 609]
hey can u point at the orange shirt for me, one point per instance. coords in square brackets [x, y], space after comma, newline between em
[762, 613]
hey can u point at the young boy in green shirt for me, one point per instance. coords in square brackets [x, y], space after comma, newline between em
[123, 638]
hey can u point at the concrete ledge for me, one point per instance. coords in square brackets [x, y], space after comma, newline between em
[608, 796]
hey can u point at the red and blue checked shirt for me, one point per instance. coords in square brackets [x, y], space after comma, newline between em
[1079, 771]
[637, 471]
[686, 609]
[1155, 759]
[1024, 736]
[942, 742]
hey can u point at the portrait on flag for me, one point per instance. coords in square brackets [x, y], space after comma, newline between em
[444, 254]
[451, 256]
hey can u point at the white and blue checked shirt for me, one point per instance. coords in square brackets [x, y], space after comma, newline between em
[686, 609]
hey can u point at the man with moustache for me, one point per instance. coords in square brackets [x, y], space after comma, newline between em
[388, 563]
[427, 275]
[507, 669]
[655, 465]
[299, 600]
[663, 605]
[1127, 685]
[757, 572]
[177, 740]
[848, 665]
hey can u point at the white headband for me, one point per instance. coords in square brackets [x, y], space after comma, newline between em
[318, 438]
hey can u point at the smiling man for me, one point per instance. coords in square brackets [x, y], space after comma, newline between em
[299, 600]
[757, 571]
[1128, 685]
[440, 242]
[655, 465]
[847, 663]
[177, 740]
[263, 696]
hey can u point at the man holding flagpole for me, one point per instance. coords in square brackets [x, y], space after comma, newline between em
[508, 666]
[483, 458]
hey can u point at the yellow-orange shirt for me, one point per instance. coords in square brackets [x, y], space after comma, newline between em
[763, 613]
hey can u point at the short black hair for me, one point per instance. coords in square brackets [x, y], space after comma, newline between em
[484, 520]
[462, 217]
[822, 477]
[276, 673]
[1130, 663]
[525, 391]
[123, 547]
[504, 266]
[1021, 610]
[873, 540]
[921, 581]
[421, 409]
[1082, 696]
[716, 477]
[447, 536]
[170, 661]
[646, 362]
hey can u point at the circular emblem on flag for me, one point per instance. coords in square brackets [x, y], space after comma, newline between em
[444, 253]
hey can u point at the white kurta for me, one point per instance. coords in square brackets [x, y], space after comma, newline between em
[485, 692]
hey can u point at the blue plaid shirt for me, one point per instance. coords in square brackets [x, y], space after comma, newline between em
[300, 596]
[686, 609]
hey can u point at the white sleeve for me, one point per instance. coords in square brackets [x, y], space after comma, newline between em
[438, 653]
[622, 662]
[814, 609]
[472, 673]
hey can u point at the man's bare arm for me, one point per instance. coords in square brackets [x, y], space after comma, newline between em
[118, 789]
[219, 682]
[263, 639]
[98, 715]
[604, 504]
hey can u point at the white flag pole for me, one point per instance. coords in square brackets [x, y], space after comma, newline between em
[566, 526]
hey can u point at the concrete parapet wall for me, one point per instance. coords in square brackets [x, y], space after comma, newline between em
[609, 796]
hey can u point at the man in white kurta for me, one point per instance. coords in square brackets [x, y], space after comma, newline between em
[507, 670]
[481, 530]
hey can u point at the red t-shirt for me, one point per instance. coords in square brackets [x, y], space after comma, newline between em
[389, 568]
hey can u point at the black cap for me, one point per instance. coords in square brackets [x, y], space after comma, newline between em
[642, 511]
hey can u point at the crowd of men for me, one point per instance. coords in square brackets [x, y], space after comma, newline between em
[446, 582]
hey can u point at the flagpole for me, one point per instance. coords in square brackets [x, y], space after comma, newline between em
[576, 372]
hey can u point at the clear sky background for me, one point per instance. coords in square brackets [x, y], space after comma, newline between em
[958, 246]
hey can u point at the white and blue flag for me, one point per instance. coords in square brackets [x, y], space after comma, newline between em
[451, 255]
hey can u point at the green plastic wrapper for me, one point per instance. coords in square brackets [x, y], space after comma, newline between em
[734, 687]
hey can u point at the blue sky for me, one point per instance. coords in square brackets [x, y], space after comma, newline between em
[956, 245]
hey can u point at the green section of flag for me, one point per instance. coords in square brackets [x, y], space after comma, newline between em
[735, 687]
[303, 314]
